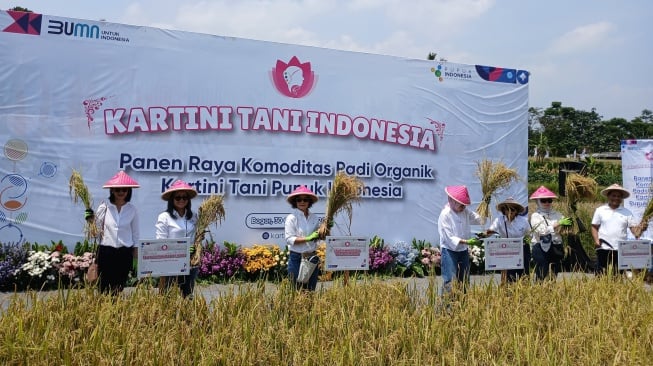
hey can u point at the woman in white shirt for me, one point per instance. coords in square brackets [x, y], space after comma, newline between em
[176, 222]
[301, 234]
[512, 225]
[546, 223]
[117, 221]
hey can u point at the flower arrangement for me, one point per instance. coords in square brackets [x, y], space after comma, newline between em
[40, 269]
[406, 263]
[12, 257]
[219, 264]
[281, 263]
[477, 258]
[73, 267]
[262, 260]
[430, 256]
[381, 260]
[46, 266]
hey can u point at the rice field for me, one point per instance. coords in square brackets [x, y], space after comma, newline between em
[576, 320]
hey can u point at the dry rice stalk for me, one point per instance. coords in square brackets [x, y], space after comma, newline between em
[493, 177]
[79, 192]
[211, 211]
[345, 190]
[577, 188]
[648, 212]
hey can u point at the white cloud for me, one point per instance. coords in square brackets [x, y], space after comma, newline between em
[582, 38]
[392, 27]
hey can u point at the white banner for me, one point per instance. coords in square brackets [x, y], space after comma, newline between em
[247, 119]
[637, 171]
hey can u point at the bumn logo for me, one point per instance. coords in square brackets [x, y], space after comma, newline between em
[73, 29]
[24, 23]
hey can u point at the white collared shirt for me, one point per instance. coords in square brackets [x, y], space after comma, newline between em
[168, 227]
[454, 227]
[119, 229]
[298, 225]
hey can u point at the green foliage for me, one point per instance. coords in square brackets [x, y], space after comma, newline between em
[58, 246]
[84, 247]
[377, 242]
[232, 248]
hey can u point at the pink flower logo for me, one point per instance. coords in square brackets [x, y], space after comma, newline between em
[293, 79]
[648, 155]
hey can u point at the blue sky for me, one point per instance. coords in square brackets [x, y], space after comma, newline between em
[584, 53]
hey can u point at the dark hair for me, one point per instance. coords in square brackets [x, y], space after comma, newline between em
[293, 202]
[171, 208]
[112, 197]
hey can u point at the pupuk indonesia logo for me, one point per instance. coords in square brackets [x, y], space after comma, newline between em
[293, 79]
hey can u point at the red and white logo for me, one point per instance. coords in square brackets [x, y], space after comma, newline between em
[293, 79]
[24, 23]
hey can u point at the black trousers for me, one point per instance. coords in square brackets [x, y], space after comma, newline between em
[606, 258]
[114, 265]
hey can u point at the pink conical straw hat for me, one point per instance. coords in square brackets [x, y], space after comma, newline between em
[458, 194]
[542, 192]
[121, 180]
[179, 185]
[302, 191]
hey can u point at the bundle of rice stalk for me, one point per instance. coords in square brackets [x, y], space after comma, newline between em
[211, 211]
[577, 188]
[493, 177]
[79, 192]
[345, 190]
[648, 212]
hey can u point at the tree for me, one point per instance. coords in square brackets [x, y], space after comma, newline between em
[645, 117]
[567, 129]
[18, 8]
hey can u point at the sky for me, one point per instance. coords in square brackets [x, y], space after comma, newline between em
[587, 54]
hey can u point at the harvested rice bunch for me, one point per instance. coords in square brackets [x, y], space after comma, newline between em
[345, 190]
[79, 192]
[211, 211]
[493, 177]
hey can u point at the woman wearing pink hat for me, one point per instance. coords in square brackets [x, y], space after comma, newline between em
[178, 221]
[117, 221]
[546, 223]
[454, 228]
[301, 234]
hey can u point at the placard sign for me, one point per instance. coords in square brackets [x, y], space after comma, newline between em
[634, 254]
[504, 253]
[163, 257]
[347, 253]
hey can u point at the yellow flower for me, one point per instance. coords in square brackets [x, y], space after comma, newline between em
[260, 257]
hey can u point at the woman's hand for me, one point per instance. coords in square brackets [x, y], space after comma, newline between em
[314, 235]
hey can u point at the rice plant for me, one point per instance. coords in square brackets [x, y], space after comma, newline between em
[574, 321]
